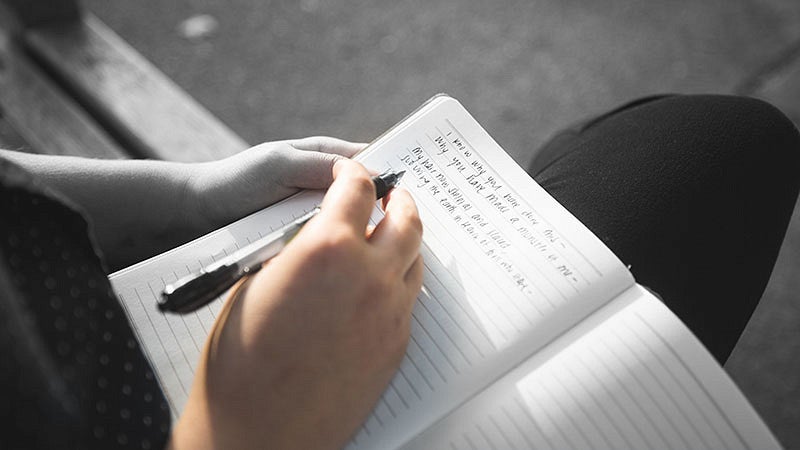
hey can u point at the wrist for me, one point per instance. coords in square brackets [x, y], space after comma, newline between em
[219, 192]
[198, 193]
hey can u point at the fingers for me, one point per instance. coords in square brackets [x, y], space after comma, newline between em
[309, 170]
[400, 231]
[312, 166]
[351, 197]
[324, 144]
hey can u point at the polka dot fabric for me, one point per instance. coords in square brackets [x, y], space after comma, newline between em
[72, 374]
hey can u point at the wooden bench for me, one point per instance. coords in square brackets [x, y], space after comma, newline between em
[70, 86]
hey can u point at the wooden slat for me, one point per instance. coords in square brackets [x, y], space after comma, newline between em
[45, 118]
[9, 138]
[30, 13]
[142, 108]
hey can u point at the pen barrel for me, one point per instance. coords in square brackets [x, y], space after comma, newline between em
[385, 182]
[195, 292]
[382, 187]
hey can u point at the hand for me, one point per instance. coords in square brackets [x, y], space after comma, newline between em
[303, 349]
[231, 188]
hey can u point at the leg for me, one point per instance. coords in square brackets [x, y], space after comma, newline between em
[694, 192]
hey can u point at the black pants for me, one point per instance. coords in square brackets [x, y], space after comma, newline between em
[693, 192]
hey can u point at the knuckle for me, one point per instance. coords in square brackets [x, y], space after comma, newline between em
[408, 214]
[334, 247]
[340, 238]
[415, 223]
[305, 144]
[321, 143]
[314, 143]
[410, 225]
[281, 154]
[328, 159]
[277, 158]
[363, 186]
[262, 147]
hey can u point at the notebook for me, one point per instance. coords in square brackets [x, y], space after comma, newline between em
[528, 331]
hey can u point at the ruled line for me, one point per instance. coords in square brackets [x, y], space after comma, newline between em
[587, 260]
[713, 400]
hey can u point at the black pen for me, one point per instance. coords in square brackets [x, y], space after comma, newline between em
[199, 289]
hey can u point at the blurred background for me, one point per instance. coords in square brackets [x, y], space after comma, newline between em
[282, 69]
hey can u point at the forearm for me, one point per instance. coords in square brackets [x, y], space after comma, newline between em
[140, 208]
[137, 208]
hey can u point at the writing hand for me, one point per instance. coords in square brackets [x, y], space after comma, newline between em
[303, 350]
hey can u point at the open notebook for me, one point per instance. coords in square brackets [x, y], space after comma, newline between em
[528, 331]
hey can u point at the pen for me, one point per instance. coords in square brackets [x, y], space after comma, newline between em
[199, 289]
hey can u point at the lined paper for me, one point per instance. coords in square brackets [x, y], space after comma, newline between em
[631, 376]
[507, 270]
[173, 342]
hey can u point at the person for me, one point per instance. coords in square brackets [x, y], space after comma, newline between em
[694, 192]
[71, 364]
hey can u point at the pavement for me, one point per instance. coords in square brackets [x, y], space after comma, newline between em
[282, 69]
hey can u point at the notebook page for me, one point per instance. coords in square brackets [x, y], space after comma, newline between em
[173, 342]
[631, 376]
[506, 270]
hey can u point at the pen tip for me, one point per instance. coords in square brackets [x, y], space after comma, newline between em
[400, 174]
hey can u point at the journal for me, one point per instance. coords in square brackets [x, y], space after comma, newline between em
[528, 331]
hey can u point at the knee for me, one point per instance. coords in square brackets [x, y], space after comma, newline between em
[753, 132]
[774, 134]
